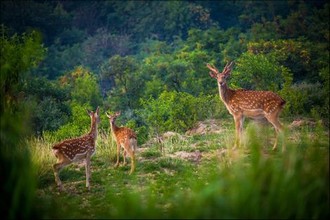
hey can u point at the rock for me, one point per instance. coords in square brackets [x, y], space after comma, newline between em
[207, 126]
[191, 156]
[299, 123]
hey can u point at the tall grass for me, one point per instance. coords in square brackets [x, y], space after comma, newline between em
[43, 158]
[249, 182]
[17, 180]
[270, 185]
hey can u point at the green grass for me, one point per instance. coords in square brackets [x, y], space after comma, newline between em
[250, 182]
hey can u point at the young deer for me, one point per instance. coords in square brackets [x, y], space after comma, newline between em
[125, 138]
[245, 103]
[77, 149]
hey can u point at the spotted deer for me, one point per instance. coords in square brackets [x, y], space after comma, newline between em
[248, 103]
[125, 138]
[77, 149]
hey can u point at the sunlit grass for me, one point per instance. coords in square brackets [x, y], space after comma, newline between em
[252, 181]
[42, 159]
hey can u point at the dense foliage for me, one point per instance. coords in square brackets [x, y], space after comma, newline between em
[148, 60]
[138, 50]
[18, 54]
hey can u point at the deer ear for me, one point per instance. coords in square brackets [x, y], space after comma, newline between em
[107, 114]
[212, 68]
[118, 113]
[89, 112]
[226, 75]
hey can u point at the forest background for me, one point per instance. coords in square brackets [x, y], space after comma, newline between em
[148, 59]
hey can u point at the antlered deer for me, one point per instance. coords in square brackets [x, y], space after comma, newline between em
[125, 138]
[245, 103]
[77, 149]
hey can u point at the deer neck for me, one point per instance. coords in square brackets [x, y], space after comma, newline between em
[93, 130]
[225, 92]
[114, 127]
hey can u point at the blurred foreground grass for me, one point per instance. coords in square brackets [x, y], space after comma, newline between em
[250, 182]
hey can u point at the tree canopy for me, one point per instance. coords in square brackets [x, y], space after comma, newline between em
[62, 56]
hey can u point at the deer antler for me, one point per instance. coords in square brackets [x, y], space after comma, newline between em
[214, 71]
[227, 69]
[89, 112]
[212, 68]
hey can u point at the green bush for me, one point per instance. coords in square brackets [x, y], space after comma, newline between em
[140, 130]
[302, 98]
[177, 111]
[78, 125]
[260, 72]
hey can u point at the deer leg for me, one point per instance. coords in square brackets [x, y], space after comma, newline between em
[57, 168]
[132, 156]
[125, 154]
[118, 152]
[132, 149]
[238, 129]
[278, 129]
[132, 163]
[87, 169]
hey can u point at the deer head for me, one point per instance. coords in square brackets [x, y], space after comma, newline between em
[95, 116]
[113, 117]
[221, 77]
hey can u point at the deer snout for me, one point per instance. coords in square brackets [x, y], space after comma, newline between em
[221, 83]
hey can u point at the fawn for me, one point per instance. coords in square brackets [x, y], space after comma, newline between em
[246, 103]
[125, 138]
[77, 149]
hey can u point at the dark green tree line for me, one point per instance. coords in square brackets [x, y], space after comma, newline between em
[136, 50]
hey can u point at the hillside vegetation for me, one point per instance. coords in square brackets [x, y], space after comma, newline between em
[148, 60]
[195, 176]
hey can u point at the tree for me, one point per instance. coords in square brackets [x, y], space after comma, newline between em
[258, 72]
[123, 72]
[18, 55]
[49, 17]
[83, 87]
[161, 20]
[84, 92]
[175, 111]
[49, 103]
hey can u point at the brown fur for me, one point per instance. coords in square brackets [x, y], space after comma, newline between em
[125, 138]
[77, 149]
[247, 103]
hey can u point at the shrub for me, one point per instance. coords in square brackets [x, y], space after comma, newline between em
[79, 124]
[140, 130]
[302, 98]
[176, 111]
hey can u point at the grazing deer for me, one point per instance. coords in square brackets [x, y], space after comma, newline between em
[244, 103]
[125, 138]
[77, 149]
